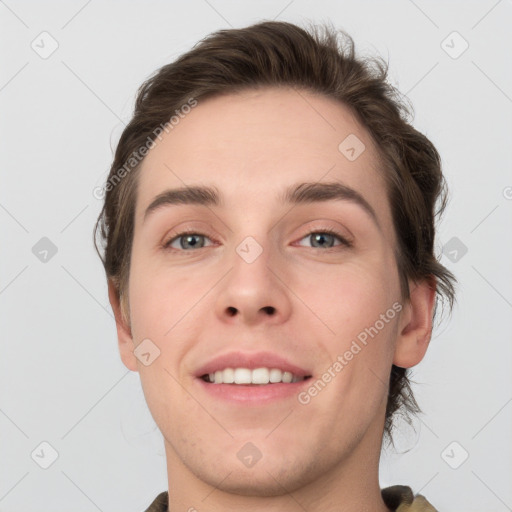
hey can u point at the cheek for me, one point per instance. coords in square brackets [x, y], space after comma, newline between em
[154, 296]
[359, 307]
[166, 305]
[361, 311]
[351, 297]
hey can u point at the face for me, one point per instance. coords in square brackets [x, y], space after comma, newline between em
[258, 281]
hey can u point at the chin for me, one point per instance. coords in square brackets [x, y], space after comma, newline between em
[269, 476]
[269, 482]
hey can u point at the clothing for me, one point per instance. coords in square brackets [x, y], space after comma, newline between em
[398, 498]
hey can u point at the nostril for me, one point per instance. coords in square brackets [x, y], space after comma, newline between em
[231, 311]
[269, 309]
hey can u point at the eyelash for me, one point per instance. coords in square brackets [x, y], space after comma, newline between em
[327, 231]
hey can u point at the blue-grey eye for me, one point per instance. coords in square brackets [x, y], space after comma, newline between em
[191, 241]
[324, 239]
[187, 241]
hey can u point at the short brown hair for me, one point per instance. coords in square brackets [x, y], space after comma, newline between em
[321, 60]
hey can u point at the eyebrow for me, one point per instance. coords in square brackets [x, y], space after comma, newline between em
[300, 193]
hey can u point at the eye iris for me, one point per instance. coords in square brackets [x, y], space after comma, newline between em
[187, 241]
[320, 237]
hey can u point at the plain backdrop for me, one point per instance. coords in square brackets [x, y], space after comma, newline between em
[69, 72]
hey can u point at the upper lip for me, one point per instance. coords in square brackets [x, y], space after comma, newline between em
[251, 361]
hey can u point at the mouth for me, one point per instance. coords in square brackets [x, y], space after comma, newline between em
[251, 378]
[258, 376]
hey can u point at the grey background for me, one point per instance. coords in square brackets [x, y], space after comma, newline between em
[61, 379]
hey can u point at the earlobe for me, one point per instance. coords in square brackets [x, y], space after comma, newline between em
[124, 335]
[415, 327]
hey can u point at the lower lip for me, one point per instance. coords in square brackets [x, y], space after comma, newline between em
[252, 394]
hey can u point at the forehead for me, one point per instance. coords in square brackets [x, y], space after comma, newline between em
[252, 145]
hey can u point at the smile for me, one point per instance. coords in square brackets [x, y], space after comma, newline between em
[260, 376]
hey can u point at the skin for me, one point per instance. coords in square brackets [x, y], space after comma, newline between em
[322, 456]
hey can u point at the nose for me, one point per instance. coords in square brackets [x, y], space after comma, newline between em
[255, 290]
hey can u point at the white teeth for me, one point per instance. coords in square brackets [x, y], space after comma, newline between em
[260, 376]
[287, 377]
[276, 375]
[242, 376]
[256, 376]
[228, 376]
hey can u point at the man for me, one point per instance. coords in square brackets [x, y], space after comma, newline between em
[268, 236]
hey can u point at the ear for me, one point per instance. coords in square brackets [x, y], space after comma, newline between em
[415, 326]
[124, 334]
